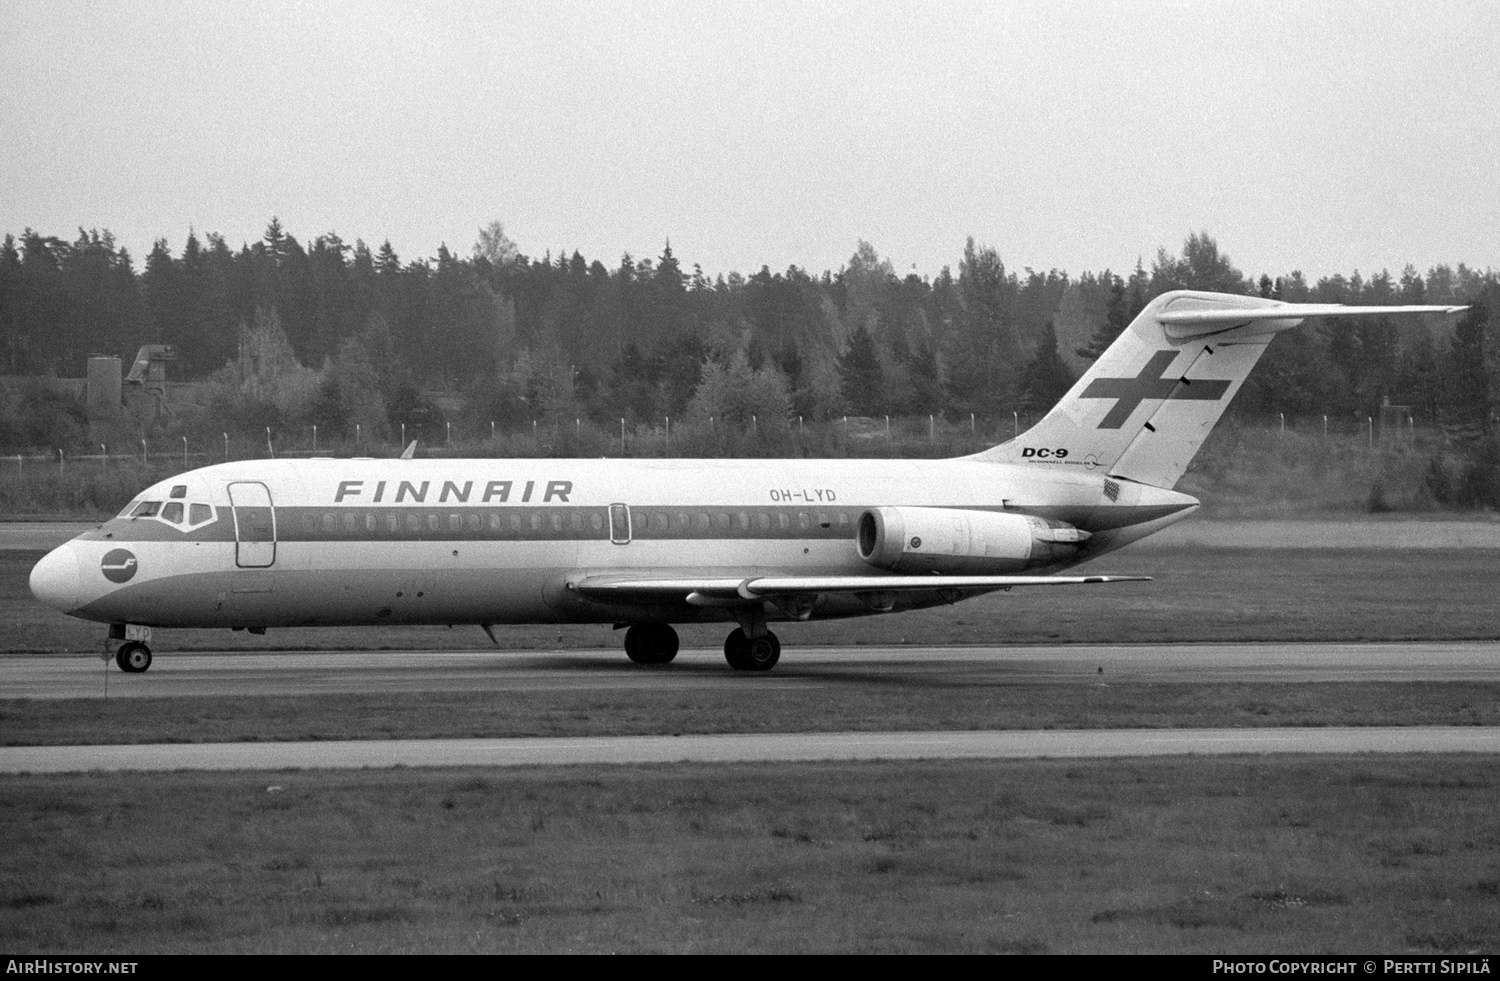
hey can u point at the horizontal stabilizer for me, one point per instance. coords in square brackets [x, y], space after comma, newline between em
[1181, 323]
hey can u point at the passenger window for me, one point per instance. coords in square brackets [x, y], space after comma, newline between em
[700, 521]
[199, 513]
[536, 521]
[802, 521]
[661, 522]
[330, 521]
[413, 521]
[372, 522]
[742, 521]
[762, 521]
[596, 521]
[721, 521]
[434, 523]
[556, 521]
[575, 522]
[684, 520]
[495, 522]
[515, 521]
[172, 512]
[393, 523]
[455, 522]
[471, 521]
[782, 521]
[824, 521]
[349, 522]
[843, 521]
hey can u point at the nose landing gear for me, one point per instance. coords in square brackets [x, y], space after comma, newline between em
[133, 657]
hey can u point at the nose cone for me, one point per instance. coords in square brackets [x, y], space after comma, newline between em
[54, 580]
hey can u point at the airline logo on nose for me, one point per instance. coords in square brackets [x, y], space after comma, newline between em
[118, 565]
[1150, 384]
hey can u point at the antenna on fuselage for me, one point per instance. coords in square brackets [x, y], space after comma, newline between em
[410, 451]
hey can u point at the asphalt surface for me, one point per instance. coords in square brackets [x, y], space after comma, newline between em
[735, 748]
[241, 675]
[54, 676]
[38, 536]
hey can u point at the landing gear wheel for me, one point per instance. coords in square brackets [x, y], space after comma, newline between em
[752, 654]
[651, 643]
[134, 657]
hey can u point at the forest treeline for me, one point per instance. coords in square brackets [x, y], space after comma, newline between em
[339, 335]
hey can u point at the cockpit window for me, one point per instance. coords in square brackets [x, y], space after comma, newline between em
[179, 491]
[147, 509]
[172, 512]
[199, 513]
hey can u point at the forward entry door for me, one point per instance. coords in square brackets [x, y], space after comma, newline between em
[254, 525]
[619, 524]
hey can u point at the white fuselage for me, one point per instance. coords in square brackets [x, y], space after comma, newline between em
[440, 541]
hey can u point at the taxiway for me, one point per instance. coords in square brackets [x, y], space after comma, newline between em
[54, 676]
[747, 748]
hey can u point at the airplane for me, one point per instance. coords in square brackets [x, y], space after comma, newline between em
[648, 543]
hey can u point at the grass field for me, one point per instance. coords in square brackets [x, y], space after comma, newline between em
[1214, 855]
[862, 703]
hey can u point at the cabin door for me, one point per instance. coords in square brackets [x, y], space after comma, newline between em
[619, 524]
[254, 525]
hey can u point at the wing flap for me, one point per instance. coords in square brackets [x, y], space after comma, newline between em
[715, 590]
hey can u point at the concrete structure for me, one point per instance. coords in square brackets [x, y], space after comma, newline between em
[104, 397]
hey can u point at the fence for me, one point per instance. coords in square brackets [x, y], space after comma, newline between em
[103, 482]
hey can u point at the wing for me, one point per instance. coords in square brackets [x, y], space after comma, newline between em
[727, 592]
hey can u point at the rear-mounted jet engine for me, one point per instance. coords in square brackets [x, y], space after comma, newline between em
[950, 540]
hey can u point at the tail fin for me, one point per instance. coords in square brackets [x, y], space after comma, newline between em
[1142, 410]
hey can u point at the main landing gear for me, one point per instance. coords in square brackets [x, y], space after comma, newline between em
[746, 653]
[133, 657]
[656, 643]
[651, 643]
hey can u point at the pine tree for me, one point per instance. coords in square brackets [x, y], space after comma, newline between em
[1045, 379]
[861, 377]
[1115, 322]
[1467, 401]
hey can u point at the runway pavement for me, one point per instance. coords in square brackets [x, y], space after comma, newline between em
[38, 536]
[242, 675]
[56, 676]
[736, 748]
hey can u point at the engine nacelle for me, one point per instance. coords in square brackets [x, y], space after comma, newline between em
[949, 540]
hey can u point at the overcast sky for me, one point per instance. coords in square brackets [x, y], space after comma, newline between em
[1325, 137]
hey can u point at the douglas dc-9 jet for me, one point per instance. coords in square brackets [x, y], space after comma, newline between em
[645, 544]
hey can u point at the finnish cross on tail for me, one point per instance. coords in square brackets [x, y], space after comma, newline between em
[1142, 410]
